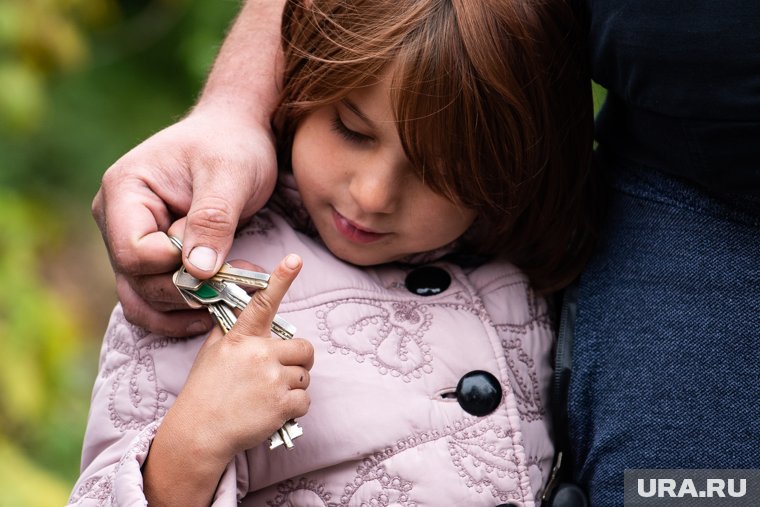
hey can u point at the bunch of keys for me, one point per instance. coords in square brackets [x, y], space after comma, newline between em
[220, 295]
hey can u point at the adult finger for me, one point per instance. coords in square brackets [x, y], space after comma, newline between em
[219, 198]
[131, 217]
[256, 319]
[159, 292]
[180, 323]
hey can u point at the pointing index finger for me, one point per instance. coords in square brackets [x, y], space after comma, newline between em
[256, 319]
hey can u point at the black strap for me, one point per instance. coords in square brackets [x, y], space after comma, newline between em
[560, 491]
[563, 366]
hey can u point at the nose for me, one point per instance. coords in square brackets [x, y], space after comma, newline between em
[377, 186]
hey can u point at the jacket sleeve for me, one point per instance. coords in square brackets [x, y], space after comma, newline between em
[139, 377]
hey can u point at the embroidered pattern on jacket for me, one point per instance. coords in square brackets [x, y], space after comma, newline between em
[389, 334]
[387, 489]
[524, 380]
[481, 451]
[472, 446]
[521, 366]
[101, 489]
[132, 369]
[303, 492]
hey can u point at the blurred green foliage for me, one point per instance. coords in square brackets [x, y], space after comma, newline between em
[41, 382]
[81, 82]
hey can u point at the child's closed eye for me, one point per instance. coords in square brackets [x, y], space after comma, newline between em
[346, 133]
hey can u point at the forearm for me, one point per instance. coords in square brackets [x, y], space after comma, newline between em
[180, 469]
[246, 73]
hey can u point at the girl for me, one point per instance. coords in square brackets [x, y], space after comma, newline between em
[435, 159]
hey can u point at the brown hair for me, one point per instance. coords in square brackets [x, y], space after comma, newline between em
[493, 104]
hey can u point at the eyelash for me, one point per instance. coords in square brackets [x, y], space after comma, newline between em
[346, 133]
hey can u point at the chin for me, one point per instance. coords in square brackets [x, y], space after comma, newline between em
[357, 259]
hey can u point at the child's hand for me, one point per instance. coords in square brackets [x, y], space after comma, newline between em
[244, 385]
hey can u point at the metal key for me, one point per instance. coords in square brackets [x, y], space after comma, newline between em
[185, 280]
[224, 316]
[244, 277]
[191, 302]
[216, 306]
[215, 300]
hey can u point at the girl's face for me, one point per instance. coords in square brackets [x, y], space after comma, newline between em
[368, 205]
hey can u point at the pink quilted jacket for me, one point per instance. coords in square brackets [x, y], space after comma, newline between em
[379, 431]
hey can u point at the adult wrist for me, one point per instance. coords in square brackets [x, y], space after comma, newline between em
[248, 111]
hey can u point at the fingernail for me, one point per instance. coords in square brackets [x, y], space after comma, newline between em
[202, 257]
[292, 261]
[197, 327]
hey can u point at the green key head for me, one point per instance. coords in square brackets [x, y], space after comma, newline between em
[205, 291]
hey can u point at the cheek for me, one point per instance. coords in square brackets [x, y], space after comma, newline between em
[306, 159]
[461, 220]
[446, 223]
[298, 152]
[315, 158]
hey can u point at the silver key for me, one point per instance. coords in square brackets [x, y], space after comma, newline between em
[185, 280]
[285, 435]
[189, 299]
[220, 318]
[244, 277]
[293, 429]
[224, 316]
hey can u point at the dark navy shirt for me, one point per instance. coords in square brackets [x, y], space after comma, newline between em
[684, 86]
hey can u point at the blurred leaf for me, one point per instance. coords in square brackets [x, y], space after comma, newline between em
[599, 95]
[38, 349]
[25, 484]
[10, 23]
[40, 338]
[95, 13]
[60, 41]
[22, 97]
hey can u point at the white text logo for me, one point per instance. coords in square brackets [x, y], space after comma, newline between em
[714, 488]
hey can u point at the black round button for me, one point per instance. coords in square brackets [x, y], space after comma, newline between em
[507, 505]
[478, 393]
[427, 281]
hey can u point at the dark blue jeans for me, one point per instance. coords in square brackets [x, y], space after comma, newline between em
[666, 357]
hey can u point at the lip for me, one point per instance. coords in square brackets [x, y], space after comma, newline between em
[355, 232]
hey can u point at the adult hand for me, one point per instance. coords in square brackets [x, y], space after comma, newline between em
[216, 166]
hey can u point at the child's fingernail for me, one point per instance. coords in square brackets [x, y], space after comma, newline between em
[202, 257]
[292, 261]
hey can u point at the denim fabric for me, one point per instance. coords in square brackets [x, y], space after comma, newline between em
[666, 365]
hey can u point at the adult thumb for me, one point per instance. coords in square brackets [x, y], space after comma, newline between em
[219, 197]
